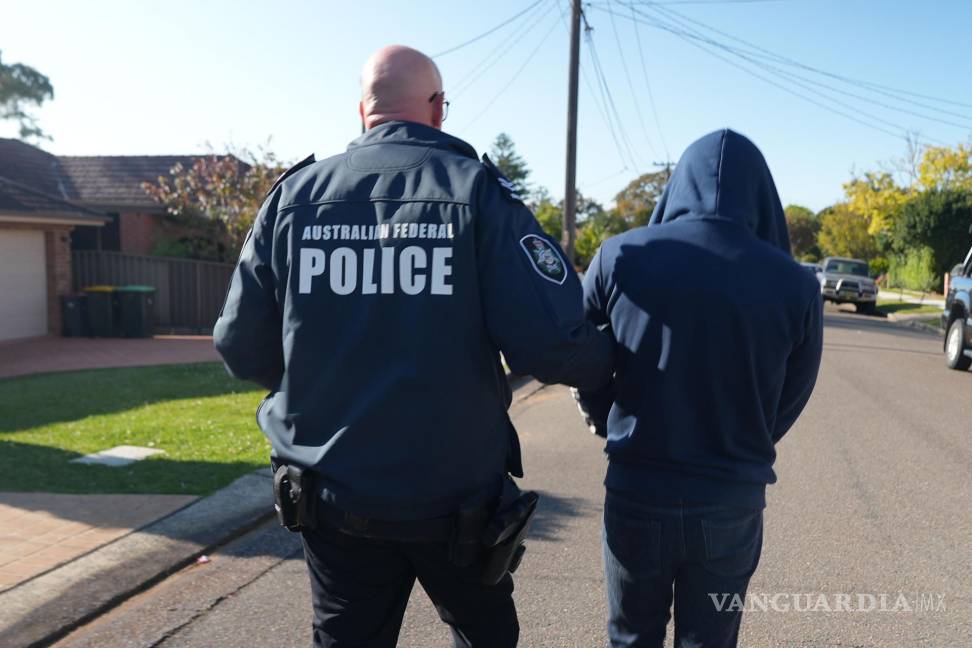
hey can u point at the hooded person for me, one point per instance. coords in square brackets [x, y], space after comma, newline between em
[719, 337]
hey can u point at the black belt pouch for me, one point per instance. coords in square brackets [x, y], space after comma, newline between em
[292, 497]
[505, 532]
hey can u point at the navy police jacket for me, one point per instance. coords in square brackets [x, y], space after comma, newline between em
[373, 297]
[719, 333]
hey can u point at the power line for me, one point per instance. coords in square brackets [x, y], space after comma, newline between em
[709, 2]
[627, 76]
[590, 89]
[601, 181]
[694, 43]
[696, 39]
[792, 75]
[504, 47]
[516, 75]
[889, 91]
[608, 99]
[651, 97]
[488, 32]
[607, 96]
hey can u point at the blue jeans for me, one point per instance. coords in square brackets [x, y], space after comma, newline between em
[696, 555]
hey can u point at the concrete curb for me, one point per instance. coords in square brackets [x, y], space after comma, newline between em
[45, 608]
[916, 325]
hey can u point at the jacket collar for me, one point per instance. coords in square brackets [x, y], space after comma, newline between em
[412, 133]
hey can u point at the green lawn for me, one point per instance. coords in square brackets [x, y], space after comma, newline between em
[895, 307]
[197, 414]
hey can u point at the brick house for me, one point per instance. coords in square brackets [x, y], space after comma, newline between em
[35, 258]
[51, 205]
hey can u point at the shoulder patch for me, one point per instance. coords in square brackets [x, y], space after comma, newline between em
[292, 170]
[509, 189]
[545, 258]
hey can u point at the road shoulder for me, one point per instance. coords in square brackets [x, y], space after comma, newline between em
[45, 608]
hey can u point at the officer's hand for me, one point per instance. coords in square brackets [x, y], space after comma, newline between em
[598, 428]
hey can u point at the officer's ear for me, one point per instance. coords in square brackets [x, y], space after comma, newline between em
[437, 113]
[361, 115]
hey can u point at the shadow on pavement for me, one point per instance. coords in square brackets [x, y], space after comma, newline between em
[553, 512]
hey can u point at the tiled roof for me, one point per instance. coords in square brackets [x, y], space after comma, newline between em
[107, 180]
[31, 167]
[18, 200]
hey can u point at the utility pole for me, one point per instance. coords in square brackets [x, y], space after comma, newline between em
[570, 192]
[668, 168]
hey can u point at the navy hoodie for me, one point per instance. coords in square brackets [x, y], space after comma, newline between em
[719, 333]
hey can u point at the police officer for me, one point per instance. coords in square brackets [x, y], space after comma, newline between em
[373, 298]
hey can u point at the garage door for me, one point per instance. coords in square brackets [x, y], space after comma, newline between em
[23, 284]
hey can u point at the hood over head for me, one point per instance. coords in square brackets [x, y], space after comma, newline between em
[723, 176]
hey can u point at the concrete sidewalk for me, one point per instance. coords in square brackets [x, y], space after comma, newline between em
[40, 531]
[49, 354]
[41, 609]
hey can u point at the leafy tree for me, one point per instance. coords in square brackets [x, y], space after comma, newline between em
[510, 163]
[844, 232]
[215, 200]
[587, 208]
[937, 220]
[21, 87]
[804, 227]
[593, 231]
[944, 168]
[637, 201]
[876, 197]
[548, 213]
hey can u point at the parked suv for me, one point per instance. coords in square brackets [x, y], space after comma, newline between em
[847, 281]
[957, 317]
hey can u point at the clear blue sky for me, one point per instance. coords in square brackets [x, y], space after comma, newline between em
[153, 77]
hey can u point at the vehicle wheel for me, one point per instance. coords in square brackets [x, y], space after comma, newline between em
[866, 308]
[955, 347]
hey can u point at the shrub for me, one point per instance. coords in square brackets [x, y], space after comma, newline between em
[914, 270]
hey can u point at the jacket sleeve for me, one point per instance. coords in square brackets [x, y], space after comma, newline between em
[248, 331]
[532, 297]
[595, 404]
[801, 370]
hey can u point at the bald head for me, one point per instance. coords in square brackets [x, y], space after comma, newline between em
[396, 84]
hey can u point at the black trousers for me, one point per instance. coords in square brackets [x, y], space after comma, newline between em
[360, 588]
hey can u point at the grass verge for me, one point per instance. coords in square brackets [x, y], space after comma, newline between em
[900, 308]
[197, 414]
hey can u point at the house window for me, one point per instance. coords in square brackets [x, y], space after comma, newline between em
[87, 238]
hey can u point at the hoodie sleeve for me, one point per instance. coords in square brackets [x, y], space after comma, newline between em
[531, 295]
[595, 404]
[801, 370]
[248, 331]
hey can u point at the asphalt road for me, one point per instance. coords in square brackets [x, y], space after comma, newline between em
[873, 498]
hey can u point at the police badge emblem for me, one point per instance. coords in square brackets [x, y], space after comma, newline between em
[545, 258]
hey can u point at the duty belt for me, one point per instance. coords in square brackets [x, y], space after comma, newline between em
[490, 534]
[431, 530]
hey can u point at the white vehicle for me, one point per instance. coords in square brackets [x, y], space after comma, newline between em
[848, 281]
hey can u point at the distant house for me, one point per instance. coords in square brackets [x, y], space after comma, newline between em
[51, 205]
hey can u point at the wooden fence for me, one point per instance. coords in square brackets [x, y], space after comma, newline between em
[189, 294]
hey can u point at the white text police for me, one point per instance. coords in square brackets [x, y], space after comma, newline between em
[409, 270]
